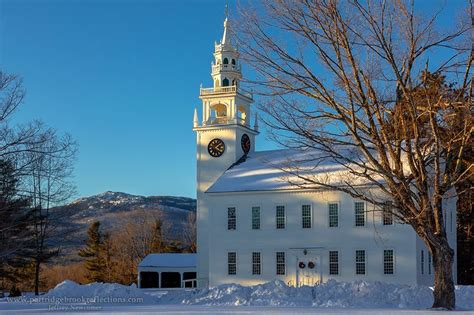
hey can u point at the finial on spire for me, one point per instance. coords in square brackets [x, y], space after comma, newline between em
[225, 35]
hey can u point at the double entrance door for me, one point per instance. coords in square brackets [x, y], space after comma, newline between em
[308, 267]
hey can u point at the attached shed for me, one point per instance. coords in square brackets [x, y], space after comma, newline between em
[167, 271]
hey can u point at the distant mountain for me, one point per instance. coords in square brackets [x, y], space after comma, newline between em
[114, 209]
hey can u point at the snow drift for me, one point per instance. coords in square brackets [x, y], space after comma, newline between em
[97, 293]
[332, 294]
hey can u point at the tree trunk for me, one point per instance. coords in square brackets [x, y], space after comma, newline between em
[444, 295]
[37, 272]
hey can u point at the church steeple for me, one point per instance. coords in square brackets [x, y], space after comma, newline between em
[226, 102]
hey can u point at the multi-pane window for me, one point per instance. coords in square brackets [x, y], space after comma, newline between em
[429, 263]
[255, 218]
[232, 263]
[387, 213]
[333, 262]
[333, 215]
[256, 263]
[306, 216]
[231, 219]
[450, 221]
[422, 262]
[388, 264]
[360, 262]
[280, 263]
[359, 208]
[280, 217]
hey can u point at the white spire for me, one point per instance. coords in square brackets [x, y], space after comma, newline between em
[225, 36]
[255, 126]
[195, 120]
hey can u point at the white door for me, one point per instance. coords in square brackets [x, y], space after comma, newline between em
[308, 270]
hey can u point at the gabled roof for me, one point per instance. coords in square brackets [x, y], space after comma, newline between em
[169, 260]
[265, 171]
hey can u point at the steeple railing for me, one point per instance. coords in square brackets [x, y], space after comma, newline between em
[224, 90]
[225, 67]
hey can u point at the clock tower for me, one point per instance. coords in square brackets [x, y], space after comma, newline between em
[224, 135]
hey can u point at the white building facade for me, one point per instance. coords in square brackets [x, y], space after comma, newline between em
[254, 227]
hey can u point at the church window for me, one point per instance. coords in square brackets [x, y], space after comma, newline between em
[231, 219]
[387, 213]
[388, 259]
[422, 262]
[280, 263]
[232, 263]
[333, 262]
[429, 263]
[233, 61]
[256, 263]
[225, 82]
[333, 215]
[359, 208]
[360, 262]
[280, 217]
[306, 216]
[255, 218]
[226, 61]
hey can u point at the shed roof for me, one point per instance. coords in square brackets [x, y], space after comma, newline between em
[169, 260]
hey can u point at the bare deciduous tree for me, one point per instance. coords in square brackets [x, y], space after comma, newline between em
[47, 182]
[339, 74]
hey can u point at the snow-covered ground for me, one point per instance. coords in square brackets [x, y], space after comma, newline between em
[274, 297]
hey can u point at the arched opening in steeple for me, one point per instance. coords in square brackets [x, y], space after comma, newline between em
[242, 114]
[218, 113]
[233, 62]
[225, 82]
[234, 82]
[226, 61]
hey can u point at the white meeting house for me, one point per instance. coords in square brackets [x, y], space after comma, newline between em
[254, 227]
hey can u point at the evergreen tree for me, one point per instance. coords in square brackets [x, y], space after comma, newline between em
[156, 243]
[94, 254]
[16, 241]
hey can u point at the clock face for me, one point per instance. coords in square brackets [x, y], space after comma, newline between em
[245, 143]
[216, 147]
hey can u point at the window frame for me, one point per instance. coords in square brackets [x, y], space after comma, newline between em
[284, 217]
[422, 262]
[356, 262]
[259, 218]
[310, 216]
[331, 263]
[259, 263]
[235, 218]
[387, 203]
[277, 263]
[338, 213]
[430, 262]
[393, 261]
[364, 214]
[228, 263]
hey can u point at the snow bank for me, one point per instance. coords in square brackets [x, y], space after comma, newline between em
[108, 293]
[332, 294]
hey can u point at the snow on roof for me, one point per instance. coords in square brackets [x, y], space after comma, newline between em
[169, 260]
[268, 170]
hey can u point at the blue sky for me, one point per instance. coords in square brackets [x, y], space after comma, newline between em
[122, 77]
